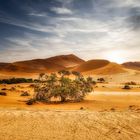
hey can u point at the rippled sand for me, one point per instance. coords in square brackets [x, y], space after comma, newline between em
[69, 125]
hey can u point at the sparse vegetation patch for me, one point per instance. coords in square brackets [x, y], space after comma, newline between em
[126, 87]
[100, 80]
[25, 93]
[62, 88]
[16, 81]
[131, 83]
[3, 93]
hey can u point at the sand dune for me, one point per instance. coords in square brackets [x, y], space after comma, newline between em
[110, 69]
[99, 67]
[42, 65]
[91, 65]
[66, 60]
[132, 65]
[31, 68]
[37, 65]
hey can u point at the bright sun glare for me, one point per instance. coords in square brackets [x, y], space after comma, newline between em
[115, 56]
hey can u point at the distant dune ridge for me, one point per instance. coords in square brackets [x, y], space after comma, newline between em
[132, 65]
[70, 62]
[42, 65]
[66, 60]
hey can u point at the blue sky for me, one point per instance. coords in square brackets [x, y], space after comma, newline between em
[90, 29]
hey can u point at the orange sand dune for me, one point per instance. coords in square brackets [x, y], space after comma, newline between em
[31, 68]
[42, 65]
[91, 65]
[111, 68]
[66, 60]
[132, 65]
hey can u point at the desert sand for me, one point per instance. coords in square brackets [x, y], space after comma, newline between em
[109, 113]
[105, 96]
[69, 125]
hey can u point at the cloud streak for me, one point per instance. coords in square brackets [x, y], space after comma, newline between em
[89, 29]
[62, 10]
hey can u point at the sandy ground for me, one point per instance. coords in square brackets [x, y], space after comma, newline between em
[130, 75]
[69, 125]
[104, 97]
[109, 113]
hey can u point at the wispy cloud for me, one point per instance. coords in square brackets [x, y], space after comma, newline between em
[61, 10]
[88, 28]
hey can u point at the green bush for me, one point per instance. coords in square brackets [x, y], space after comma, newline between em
[62, 87]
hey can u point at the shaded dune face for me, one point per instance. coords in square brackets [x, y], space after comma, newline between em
[38, 65]
[132, 65]
[32, 66]
[91, 65]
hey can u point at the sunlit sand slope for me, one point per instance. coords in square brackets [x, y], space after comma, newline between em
[111, 68]
[91, 65]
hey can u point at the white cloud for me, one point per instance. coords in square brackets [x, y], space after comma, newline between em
[61, 10]
[87, 36]
[38, 14]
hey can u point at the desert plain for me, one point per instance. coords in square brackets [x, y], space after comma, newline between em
[109, 112]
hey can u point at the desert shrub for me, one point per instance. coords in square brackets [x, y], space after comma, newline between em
[3, 93]
[131, 106]
[131, 83]
[101, 80]
[15, 81]
[31, 85]
[126, 87]
[12, 89]
[36, 80]
[4, 89]
[25, 93]
[62, 87]
[81, 108]
[30, 101]
[112, 109]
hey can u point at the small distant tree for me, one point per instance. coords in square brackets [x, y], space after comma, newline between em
[126, 87]
[101, 80]
[131, 83]
[62, 87]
